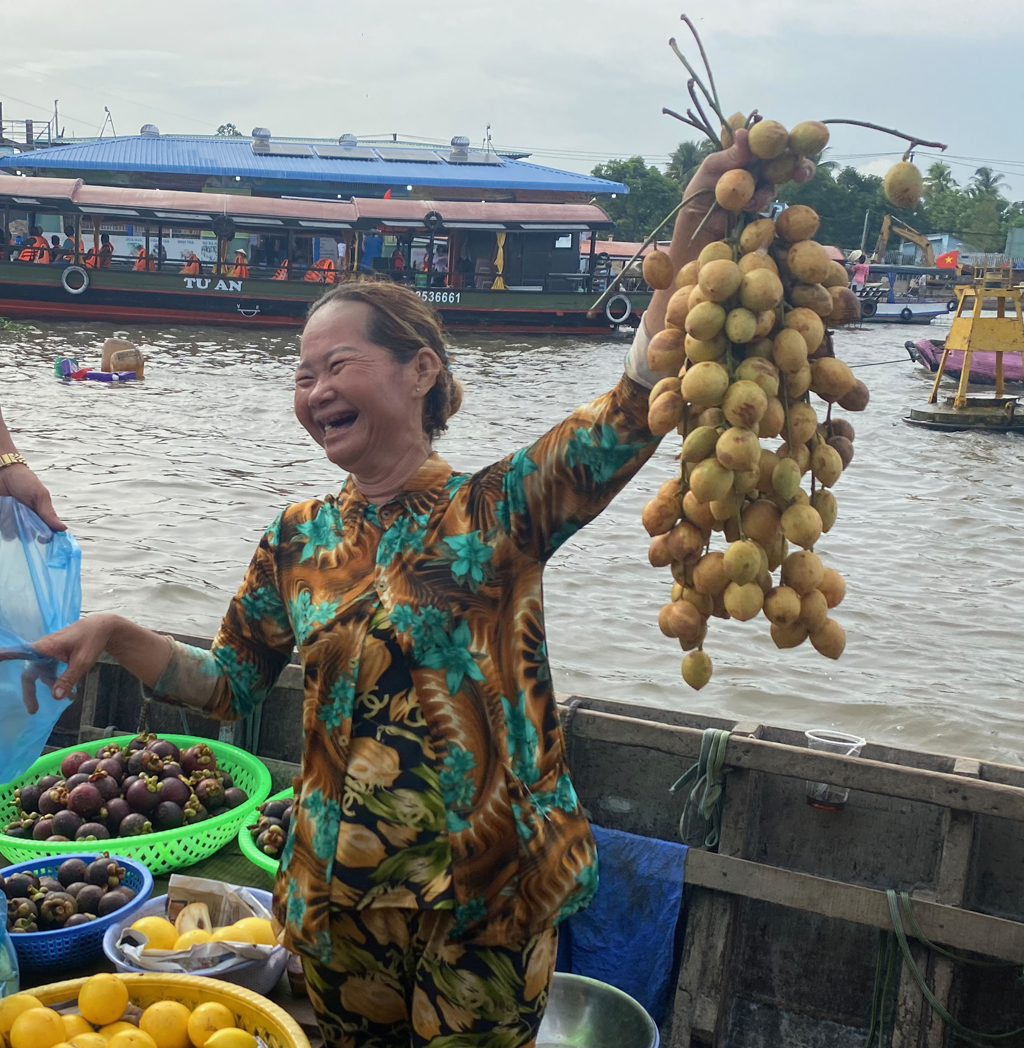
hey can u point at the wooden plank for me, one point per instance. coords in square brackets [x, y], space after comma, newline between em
[858, 773]
[960, 929]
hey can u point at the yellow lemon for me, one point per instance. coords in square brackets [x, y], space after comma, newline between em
[89, 1040]
[167, 1023]
[133, 1038]
[232, 933]
[262, 930]
[103, 999]
[74, 1024]
[37, 1028]
[192, 938]
[230, 1037]
[206, 1020]
[12, 1007]
[159, 932]
[121, 1026]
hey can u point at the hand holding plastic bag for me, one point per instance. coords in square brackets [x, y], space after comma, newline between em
[40, 592]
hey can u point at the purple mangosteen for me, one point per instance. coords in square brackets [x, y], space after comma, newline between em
[176, 790]
[129, 781]
[108, 749]
[106, 784]
[113, 766]
[66, 823]
[134, 824]
[118, 810]
[42, 829]
[172, 770]
[225, 778]
[72, 762]
[27, 797]
[168, 816]
[85, 800]
[198, 758]
[75, 780]
[89, 766]
[166, 749]
[53, 800]
[143, 796]
[48, 781]
[140, 742]
[234, 797]
[151, 763]
[92, 831]
[210, 794]
[57, 838]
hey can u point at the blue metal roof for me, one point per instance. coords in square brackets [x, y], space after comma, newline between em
[235, 156]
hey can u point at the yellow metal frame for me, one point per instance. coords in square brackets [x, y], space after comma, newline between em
[971, 332]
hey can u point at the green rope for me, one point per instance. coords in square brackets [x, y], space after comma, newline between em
[908, 958]
[884, 994]
[702, 812]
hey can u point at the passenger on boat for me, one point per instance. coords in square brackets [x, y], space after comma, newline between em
[19, 482]
[191, 268]
[144, 262]
[282, 271]
[35, 249]
[437, 839]
[67, 248]
[100, 259]
[53, 252]
[240, 270]
[321, 272]
[859, 272]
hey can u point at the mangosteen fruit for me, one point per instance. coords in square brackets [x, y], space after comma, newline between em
[134, 765]
[129, 893]
[151, 763]
[168, 816]
[286, 819]
[165, 748]
[85, 800]
[143, 796]
[113, 900]
[133, 824]
[58, 838]
[89, 766]
[106, 784]
[66, 823]
[195, 812]
[92, 831]
[50, 884]
[19, 909]
[127, 783]
[79, 918]
[72, 762]
[172, 770]
[48, 781]
[140, 742]
[53, 800]
[88, 899]
[20, 884]
[16, 830]
[104, 871]
[42, 829]
[26, 924]
[176, 790]
[235, 797]
[76, 780]
[274, 809]
[71, 871]
[108, 749]
[210, 794]
[225, 778]
[198, 758]
[27, 798]
[118, 810]
[55, 909]
[74, 888]
[112, 766]
[271, 841]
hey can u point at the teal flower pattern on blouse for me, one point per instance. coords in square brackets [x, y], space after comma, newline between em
[404, 536]
[587, 880]
[324, 532]
[296, 907]
[523, 743]
[244, 677]
[599, 450]
[265, 602]
[467, 914]
[471, 557]
[273, 535]
[454, 657]
[457, 777]
[306, 615]
[514, 487]
[342, 696]
[325, 815]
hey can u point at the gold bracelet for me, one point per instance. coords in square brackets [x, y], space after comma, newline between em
[12, 458]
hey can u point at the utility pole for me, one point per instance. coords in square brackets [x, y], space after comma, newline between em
[864, 235]
[56, 124]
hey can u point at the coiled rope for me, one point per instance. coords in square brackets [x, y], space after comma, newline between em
[702, 812]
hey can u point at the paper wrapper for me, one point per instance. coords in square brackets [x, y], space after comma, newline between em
[227, 903]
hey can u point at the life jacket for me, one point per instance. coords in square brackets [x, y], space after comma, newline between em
[191, 267]
[240, 270]
[49, 254]
[99, 258]
[35, 247]
[321, 272]
[143, 262]
[282, 271]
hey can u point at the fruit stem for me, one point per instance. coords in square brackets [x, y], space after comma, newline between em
[700, 225]
[789, 431]
[617, 279]
[712, 101]
[685, 119]
[912, 139]
[703, 116]
[703, 55]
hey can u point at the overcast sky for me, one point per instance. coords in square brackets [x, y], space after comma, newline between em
[575, 81]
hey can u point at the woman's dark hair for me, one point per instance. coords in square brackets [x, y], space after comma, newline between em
[399, 321]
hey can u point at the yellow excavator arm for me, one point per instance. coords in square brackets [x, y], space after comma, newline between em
[905, 232]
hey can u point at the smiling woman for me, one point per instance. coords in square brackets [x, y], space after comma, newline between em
[437, 840]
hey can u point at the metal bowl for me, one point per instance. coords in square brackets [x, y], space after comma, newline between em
[584, 1011]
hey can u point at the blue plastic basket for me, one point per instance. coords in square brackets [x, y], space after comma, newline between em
[83, 943]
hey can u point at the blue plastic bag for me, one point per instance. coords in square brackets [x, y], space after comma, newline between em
[40, 591]
[10, 977]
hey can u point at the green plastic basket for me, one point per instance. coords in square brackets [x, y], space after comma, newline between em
[248, 845]
[164, 850]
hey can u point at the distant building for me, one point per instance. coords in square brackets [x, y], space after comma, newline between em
[262, 165]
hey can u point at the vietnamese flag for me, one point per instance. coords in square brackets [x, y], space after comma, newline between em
[947, 261]
[387, 195]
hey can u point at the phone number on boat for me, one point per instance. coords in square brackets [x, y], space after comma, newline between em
[449, 297]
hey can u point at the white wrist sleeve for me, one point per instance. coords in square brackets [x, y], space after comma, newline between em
[637, 367]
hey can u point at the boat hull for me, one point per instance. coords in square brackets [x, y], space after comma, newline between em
[904, 312]
[36, 293]
[928, 352]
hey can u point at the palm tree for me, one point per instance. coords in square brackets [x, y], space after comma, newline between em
[986, 182]
[940, 179]
[686, 159]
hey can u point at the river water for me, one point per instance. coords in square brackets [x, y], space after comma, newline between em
[169, 484]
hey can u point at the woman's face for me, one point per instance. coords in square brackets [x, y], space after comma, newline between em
[354, 399]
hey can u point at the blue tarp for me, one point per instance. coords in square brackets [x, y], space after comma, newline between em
[626, 936]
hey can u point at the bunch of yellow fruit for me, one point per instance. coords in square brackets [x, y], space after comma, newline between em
[162, 934]
[746, 343]
[107, 1019]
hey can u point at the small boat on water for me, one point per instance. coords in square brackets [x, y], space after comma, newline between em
[874, 311]
[928, 352]
[776, 940]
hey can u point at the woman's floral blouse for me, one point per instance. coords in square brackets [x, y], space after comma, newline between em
[456, 564]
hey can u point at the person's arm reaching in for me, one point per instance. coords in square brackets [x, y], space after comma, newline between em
[18, 481]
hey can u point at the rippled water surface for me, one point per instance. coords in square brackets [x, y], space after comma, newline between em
[169, 484]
